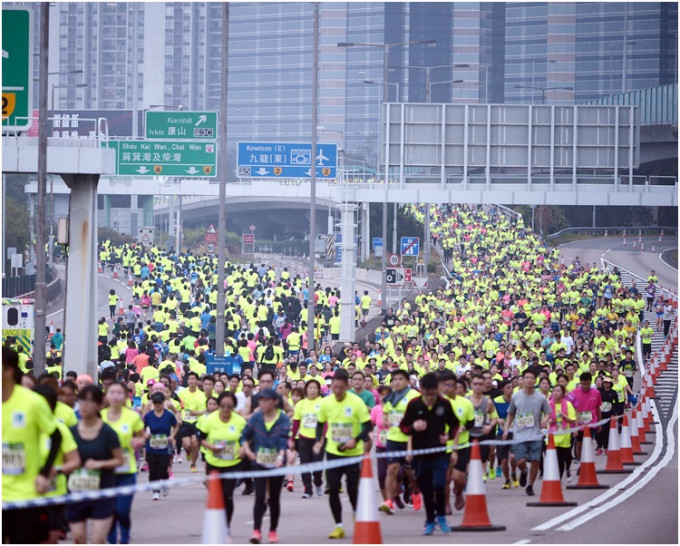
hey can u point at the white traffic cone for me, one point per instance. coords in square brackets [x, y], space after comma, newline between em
[215, 530]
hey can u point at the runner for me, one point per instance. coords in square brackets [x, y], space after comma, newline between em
[485, 418]
[562, 416]
[194, 404]
[303, 436]
[349, 425]
[380, 429]
[504, 452]
[26, 418]
[160, 431]
[265, 438]
[587, 403]
[100, 452]
[529, 411]
[394, 407]
[430, 421]
[221, 437]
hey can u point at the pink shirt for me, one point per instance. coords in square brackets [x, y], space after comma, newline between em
[380, 426]
[586, 403]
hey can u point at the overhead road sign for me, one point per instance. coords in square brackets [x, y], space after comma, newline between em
[410, 246]
[286, 160]
[17, 69]
[181, 125]
[165, 158]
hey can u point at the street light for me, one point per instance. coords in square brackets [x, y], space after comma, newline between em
[431, 84]
[178, 107]
[533, 70]
[428, 70]
[372, 82]
[62, 86]
[543, 90]
[624, 67]
[386, 63]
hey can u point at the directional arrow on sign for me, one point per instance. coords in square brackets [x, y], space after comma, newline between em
[192, 170]
[261, 171]
[201, 119]
[142, 170]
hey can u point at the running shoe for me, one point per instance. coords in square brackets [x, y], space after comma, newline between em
[319, 490]
[499, 471]
[290, 486]
[257, 537]
[248, 489]
[171, 474]
[273, 537]
[306, 495]
[417, 501]
[194, 470]
[523, 478]
[515, 481]
[599, 451]
[156, 496]
[387, 507]
[530, 490]
[338, 532]
[399, 503]
[176, 459]
[429, 529]
[568, 476]
[164, 491]
[507, 485]
[459, 503]
[145, 468]
[492, 473]
[443, 525]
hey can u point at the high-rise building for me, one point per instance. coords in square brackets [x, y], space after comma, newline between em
[170, 54]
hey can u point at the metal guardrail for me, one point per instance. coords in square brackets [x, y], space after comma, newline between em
[631, 231]
[97, 135]
[22, 285]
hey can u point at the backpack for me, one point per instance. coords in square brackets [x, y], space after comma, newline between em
[268, 353]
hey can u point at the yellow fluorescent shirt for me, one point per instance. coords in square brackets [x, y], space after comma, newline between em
[129, 424]
[25, 417]
[344, 420]
[192, 402]
[227, 436]
[306, 411]
[68, 444]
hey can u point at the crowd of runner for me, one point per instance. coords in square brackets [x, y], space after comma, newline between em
[514, 342]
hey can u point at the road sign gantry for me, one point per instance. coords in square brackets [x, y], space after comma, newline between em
[286, 160]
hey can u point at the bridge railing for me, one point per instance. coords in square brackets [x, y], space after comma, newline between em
[93, 130]
[632, 232]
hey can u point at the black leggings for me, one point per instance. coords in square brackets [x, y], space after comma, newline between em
[158, 466]
[333, 479]
[228, 486]
[563, 459]
[304, 446]
[274, 501]
[603, 435]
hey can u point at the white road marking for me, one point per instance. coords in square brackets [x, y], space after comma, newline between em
[670, 454]
[523, 541]
[615, 490]
[665, 262]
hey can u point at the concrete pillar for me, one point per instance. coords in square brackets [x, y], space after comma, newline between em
[107, 211]
[31, 224]
[147, 206]
[80, 312]
[365, 233]
[348, 271]
[426, 234]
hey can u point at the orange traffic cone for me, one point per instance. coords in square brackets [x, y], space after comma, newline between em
[215, 529]
[634, 243]
[367, 525]
[99, 267]
[551, 492]
[379, 302]
[130, 281]
[641, 427]
[121, 307]
[626, 445]
[649, 390]
[115, 271]
[476, 516]
[635, 436]
[587, 478]
[614, 465]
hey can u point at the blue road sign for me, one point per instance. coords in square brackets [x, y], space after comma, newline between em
[221, 364]
[410, 246]
[286, 160]
[377, 241]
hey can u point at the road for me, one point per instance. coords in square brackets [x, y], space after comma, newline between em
[649, 516]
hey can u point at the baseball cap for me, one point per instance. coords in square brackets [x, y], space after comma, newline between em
[607, 378]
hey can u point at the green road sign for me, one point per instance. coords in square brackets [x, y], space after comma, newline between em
[17, 64]
[165, 158]
[181, 125]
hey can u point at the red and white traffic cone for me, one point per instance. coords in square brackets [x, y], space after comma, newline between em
[379, 302]
[130, 282]
[115, 271]
[606, 232]
[649, 389]
[614, 464]
[367, 524]
[653, 249]
[551, 491]
[635, 435]
[476, 516]
[624, 240]
[215, 529]
[642, 245]
[639, 422]
[587, 477]
[626, 445]
[99, 267]
[121, 307]
[634, 243]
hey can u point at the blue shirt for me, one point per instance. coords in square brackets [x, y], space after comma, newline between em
[161, 426]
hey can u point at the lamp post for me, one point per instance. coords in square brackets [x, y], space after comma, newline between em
[428, 71]
[624, 68]
[386, 63]
[431, 84]
[543, 90]
[533, 71]
[372, 82]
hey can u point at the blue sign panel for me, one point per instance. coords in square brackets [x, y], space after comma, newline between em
[222, 364]
[410, 246]
[377, 241]
[286, 160]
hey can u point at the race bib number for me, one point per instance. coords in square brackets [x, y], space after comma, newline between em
[84, 480]
[606, 406]
[628, 373]
[187, 415]
[158, 441]
[266, 456]
[125, 467]
[479, 418]
[394, 418]
[13, 459]
[341, 433]
[382, 437]
[309, 421]
[525, 420]
[585, 417]
[227, 450]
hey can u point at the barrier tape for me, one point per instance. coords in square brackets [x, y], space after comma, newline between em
[283, 471]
